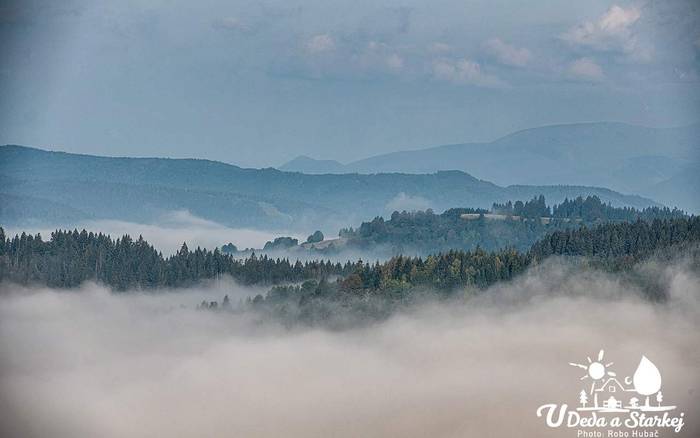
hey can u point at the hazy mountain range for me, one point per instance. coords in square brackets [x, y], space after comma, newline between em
[660, 163]
[57, 187]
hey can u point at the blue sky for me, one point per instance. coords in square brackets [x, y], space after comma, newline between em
[258, 83]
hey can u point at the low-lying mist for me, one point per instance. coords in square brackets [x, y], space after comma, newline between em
[89, 362]
[176, 227]
[172, 229]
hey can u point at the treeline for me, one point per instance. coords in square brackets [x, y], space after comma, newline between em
[518, 226]
[374, 291]
[589, 209]
[605, 244]
[630, 241]
[424, 232]
[534, 208]
[70, 258]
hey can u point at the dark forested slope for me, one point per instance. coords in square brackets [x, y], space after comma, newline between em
[69, 258]
[507, 225]
[372, 292]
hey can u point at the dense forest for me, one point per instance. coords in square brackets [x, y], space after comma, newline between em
[372, 292]
[612, 246]
[511, 225]
[589, 209]
[71, 257]
[322, 292]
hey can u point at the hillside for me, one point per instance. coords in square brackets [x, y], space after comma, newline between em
[507, 225]
[622, 157]
[142, 189]
[69, 259]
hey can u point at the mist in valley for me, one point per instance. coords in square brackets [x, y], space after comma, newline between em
[449, 204]
[89, 362]
[171, 230]
[177, 227]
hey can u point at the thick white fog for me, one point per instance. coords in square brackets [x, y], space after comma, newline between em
[90, 363]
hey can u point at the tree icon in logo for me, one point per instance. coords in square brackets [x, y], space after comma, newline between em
[646, 380]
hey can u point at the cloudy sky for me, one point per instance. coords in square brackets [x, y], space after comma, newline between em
[258, 83]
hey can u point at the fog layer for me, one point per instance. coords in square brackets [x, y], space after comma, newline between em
[92, 363]
[171, 231]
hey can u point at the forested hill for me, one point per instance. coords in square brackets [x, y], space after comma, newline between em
[374, 292]
[507, 225]
[69, 258]
[43, 186]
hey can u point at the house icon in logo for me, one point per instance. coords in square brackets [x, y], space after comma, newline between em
[612, 392]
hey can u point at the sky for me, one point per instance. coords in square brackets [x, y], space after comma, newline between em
[259, 83]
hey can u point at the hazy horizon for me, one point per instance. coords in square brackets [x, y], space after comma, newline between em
[258, 84]
[418, 148]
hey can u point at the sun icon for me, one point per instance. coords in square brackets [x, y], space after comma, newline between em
[595, 370]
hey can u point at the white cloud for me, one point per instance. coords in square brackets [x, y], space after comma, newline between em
[464, 71]
[586, 69]
[617, 19]
[508, 54]
[320, 43]
[613, 31]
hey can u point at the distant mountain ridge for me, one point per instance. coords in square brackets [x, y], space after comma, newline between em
[626, 158]
[305, 164]
[77, 187]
